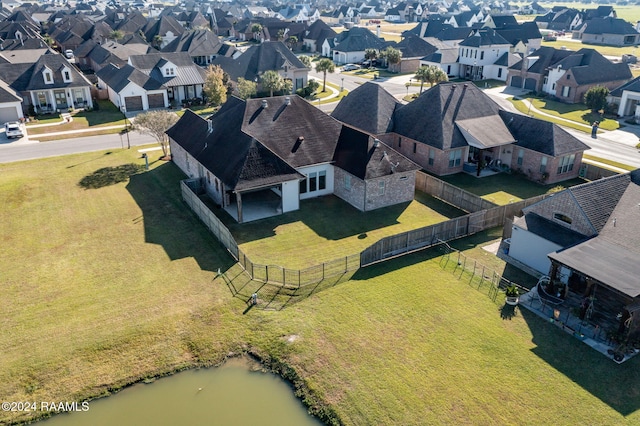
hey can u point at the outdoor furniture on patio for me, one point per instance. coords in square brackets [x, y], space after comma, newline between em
[545, 297]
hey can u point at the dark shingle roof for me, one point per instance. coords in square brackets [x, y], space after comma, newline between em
[541, 136]
[413, 46]
[484, 37]
[358, 39]
[632, 86]
[369, 108]
[119, 78]
[547, 56]
[55, 63]
[186, 71]
[431, 118]
[196, 43]
[549, 230]
[589, 66]
[609, 25]
[367, 158]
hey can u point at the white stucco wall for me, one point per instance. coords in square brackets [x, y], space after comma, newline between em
[626, 106]
[290, 196]
[531, 249]
[552, 78]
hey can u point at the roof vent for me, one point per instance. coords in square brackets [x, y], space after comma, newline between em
[376, 143]
[287, 100]
[265, 104]
[465, 85]
[209, 126]
[300, 139]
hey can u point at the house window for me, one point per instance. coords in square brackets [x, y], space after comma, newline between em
[303, 186]
[454, 157]
[543, 164]
[381, 187]
[546, 79]
[475, 55]
[47, 77]
[347, 182]
[482, 55]
[568, 77]
[415, 147]
[520, 156]
[553, 86]
[562, 217]
[67, 76]
[565, 91]
[566, 163]
[499, 72]
[322, 180]
[448, 69]
[313, 182]
[42, 99]
[432, 155]
[399, 142]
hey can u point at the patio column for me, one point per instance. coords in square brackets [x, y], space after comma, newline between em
[239, 203]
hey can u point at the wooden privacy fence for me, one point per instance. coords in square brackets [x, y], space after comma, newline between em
[190, 190]
[274, 274]
[460, 198]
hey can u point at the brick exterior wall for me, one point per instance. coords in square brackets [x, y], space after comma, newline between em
[365, 195]
[440, 166]
[563, 203]
[577, 92]
[532, 160]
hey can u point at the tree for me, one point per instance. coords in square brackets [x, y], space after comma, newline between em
[157, 41]
[306, 60]
[324, 66]
[256, 29]
[280, 34]
[596, 98]
[393, 55]
[214, 86]
[371, 55]
[116, 35]
[246, 88]
[292, 42]
[155, 124]
[272, 81]
[431, 73]
[287, 85]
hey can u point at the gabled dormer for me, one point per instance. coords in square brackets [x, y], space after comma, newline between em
[168, 69]
[47, 75]
[66, 74]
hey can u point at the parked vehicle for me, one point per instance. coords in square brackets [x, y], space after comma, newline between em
[13, 129]
[350, 67]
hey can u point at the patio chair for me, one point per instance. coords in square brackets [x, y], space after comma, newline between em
[544, 297]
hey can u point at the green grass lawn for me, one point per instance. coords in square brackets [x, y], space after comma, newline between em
[605, 50]
[574, 112]
[311, 235]
[114, 283]
[504, 189]
[107, 115]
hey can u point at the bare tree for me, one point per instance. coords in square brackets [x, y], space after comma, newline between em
[155, 124]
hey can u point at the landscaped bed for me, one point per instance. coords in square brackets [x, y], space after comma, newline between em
[106, 286]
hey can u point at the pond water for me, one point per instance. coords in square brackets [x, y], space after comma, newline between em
[227, 395]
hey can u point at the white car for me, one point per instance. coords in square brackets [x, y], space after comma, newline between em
[350, 67]
[13, 129]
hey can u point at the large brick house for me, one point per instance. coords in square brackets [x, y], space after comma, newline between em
[455, 127]
[268, 154]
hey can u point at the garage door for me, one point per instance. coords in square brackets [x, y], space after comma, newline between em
[133, 103]
[516, 81]
[530, 84]
[156, 101]
[8, 114]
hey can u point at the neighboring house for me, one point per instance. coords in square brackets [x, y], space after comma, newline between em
[455, 127]
[413, 49]
[203, 46]
[49, 84]
[588, 237]
[268, 154]
[176, 71]
[609, 31]
[560, 18]
[10, 104]
[479, 52]
[162, 31]
[132, 90]
[566, 74]
[315, 36]
[267, 56]
[91, 55]
[350, 45]
[627, 97]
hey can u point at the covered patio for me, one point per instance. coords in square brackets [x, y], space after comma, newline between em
[254, 205]
[488, 138]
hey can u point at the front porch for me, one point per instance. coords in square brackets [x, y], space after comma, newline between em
[60, 99]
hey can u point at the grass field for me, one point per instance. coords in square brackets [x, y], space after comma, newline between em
[110, 284]
[503, 189]
[107, 115]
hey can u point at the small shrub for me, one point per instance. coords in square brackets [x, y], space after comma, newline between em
[511, 291]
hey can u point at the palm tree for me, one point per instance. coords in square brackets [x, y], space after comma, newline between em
[370, 54]
[325, 65]
[271, 80]
[432, 74]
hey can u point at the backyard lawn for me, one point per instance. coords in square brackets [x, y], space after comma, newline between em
[312, 235]
[108, 279]
[503, 188]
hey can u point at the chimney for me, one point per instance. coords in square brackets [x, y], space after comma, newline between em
[287, 100]
[378, 30]
[265, 104]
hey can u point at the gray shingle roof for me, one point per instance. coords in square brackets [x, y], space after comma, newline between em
[119, 78]
[369, 108]
[484, 37]
[589, 66]
[541, 136]
[55, 63]
[549, 230]
[430, 119]
[358, 39]
[196, 43]
[609, 25]
[413, 46]
[632, 86]
[186, 71]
